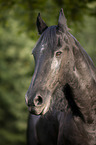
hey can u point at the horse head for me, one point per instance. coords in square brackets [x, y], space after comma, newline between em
[60, 62]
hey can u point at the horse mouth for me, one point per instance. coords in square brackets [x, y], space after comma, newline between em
[36, 111]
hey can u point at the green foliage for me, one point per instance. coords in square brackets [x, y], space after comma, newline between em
[26, 12]
[18, 36]
[15, 60]
[87, 36]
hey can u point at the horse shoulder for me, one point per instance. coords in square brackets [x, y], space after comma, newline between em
[72, 131]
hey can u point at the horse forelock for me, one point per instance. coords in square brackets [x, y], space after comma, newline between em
[49, 36]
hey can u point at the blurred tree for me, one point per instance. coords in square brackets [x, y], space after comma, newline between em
[14, 80]
[17, 38]
[26, 12]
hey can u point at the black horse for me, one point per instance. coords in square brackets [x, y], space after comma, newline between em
[62, 93]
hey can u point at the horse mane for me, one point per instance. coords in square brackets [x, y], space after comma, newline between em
[88, 59]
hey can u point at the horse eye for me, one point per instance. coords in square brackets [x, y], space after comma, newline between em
[58, 53]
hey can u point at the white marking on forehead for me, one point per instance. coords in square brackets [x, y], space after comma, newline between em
[55, 63]
[42, 48]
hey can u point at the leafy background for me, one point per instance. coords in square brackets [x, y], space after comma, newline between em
[18, 36]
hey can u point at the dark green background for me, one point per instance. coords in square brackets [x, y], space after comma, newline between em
[18, 36]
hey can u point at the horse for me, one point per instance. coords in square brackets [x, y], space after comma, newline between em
[61, 97]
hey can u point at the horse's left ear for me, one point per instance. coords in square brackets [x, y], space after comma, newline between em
[62, 21]
[41, 26]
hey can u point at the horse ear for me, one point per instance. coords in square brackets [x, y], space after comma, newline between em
[62, 21]
[41, 26]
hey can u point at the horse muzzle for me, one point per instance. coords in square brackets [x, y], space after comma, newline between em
[38, 105]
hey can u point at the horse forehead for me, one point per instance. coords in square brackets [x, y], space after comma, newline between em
[48, 40]
[39, 47]
[44, 44]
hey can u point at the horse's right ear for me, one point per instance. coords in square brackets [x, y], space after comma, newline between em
[41, 26]
[62, 21]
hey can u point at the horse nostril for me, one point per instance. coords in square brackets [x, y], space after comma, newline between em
[38, 100]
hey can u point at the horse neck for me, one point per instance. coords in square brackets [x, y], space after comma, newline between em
[85, 92]
[83, 71]
[82, 79]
